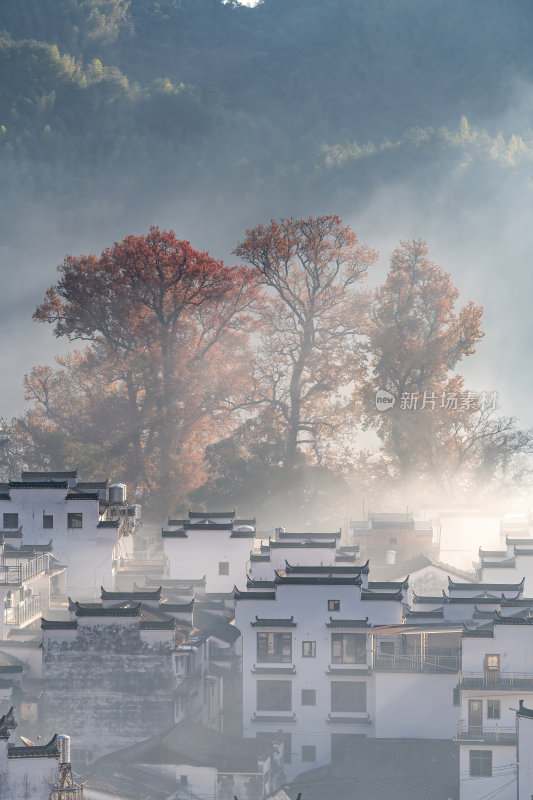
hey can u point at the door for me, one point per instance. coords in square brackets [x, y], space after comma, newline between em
[475, 717]
[492, 668]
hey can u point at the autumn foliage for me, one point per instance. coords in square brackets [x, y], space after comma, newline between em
[194, 379]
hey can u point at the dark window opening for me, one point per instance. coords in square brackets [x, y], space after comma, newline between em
[223, 567]
[308, 752]
[348, 696]
[493, 709]
[274, 647]
[309, 697]
[348, 648]
[481, 763]
[75, 520]
[11, 521]
[308, 649]
[48, 521]
[274, 696]
[334, 605]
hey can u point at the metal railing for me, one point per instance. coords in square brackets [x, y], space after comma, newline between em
[23, 612]
[493, 679]
[428, 662]
[18, 573]
[474, 733]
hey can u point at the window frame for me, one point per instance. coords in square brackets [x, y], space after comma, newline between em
[341, 704]
[312, 644]
[263, 685]
[48, 518]
[476, 767]
[275, 649]
[5, 525]
[309, 750]
[71, 516]
[334, 605]
[311, 694]
[223, 567]
[344, 639]
[494, 705]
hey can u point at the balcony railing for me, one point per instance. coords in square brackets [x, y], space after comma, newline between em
[496, 680]
[18, 573]
[495, 735]
[23, 612]
[417, 663]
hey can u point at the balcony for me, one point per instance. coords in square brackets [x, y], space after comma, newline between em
[496, 735]
[23, 612]
[429, 662]
[18, 573]
[509, 681]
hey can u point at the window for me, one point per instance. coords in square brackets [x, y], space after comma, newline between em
[348, 696]
[334, 605]
[456, 697]
[223, 567]
[274, 647]
[183, 781]
[492, 663]
[493, 709]
[309, 697]
[48, 521]
[308, 752]
[11, 521]
[481, 763]
[348, 648]
[274, 696]
[308, 649]
[386, 648]
[75, 520]
[393, 540]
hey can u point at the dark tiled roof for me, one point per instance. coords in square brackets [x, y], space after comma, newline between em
[478, 633]
[492, 553]
[52, 624]
[294, 545]
[513, 540]
[517, 601]
[251, 583]
[236, 534]
[332, 672]
[109, 523]
[366, 595]
[271, 720]
[173, 534]
[211, 514]
[261, 670]
[348, 623]
[333, 720]
[482, 587]
[332, 570]
[149, 594]
[118, 611]
[309, 535]
[208, 526]
[215, 625]
[273, 623]
[157, 625]
[523, 711]
[186, 607]
[519, 551]
[73, 494]
[317, 580]
[238, 595]
[393, 586]
[438, 612]
[48, 475]
[38, 485]
[49, 750]
[254, 558]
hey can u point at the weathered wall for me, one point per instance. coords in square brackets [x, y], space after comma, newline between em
[107, 685]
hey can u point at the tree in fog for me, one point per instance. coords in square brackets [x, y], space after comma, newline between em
[167, 357]
[438, 432]
[312, 270]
